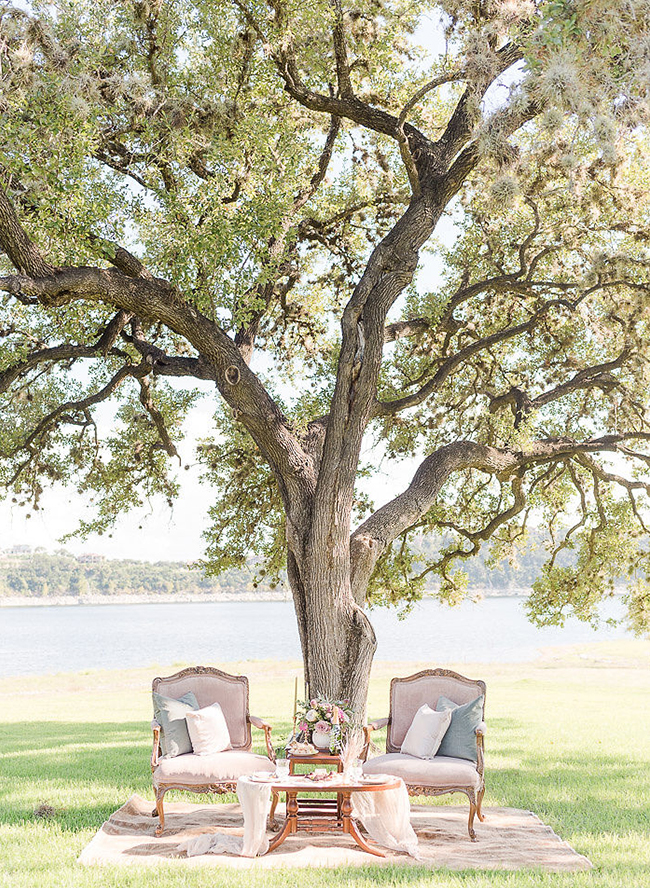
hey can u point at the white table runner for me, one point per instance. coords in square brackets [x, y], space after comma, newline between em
[385, 816]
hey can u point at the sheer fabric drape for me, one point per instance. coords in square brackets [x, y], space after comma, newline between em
[385, 816]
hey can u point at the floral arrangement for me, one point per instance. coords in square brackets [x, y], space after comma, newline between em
[322, 715]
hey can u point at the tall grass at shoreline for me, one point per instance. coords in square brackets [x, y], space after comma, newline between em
[567, 739]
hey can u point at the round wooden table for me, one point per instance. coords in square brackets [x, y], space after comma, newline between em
[324, 815]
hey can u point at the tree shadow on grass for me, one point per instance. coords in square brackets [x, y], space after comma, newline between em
[76, 774]
[90, 769]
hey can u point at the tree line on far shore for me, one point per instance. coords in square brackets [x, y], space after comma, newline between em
[41, 575]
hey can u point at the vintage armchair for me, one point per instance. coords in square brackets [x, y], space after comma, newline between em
[217, 772]
[441, 774]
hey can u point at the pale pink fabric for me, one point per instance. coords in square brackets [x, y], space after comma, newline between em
[438, 773]
[386, 817]
[231, 694]
[195, 770]
[255, 801]
[408, 696]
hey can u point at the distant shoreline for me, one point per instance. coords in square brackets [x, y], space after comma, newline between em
[189, 598]
[173, 598]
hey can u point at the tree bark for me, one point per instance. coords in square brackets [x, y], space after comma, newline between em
[336, 637]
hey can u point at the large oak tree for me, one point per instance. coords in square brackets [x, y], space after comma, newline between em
[239, 197]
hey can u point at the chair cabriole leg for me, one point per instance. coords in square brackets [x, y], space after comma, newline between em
[159, 811]
[479, 802]
[472, 812]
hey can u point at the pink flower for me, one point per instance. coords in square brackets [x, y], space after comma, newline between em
[303, 726]
[323, 727]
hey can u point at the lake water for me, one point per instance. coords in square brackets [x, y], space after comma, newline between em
[38, 640]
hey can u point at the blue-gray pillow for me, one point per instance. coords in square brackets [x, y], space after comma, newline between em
[460, 739]
[170, 715]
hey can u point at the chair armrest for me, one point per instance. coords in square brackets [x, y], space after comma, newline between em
[155, 752]
[480, 747]
[266, 727]
[375, 725]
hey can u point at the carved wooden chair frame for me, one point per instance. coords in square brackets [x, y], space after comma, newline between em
[224, 786]
[475, 796]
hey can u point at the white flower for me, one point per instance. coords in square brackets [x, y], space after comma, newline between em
[312, 715]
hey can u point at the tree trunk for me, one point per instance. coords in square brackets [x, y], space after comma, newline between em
[337, 639]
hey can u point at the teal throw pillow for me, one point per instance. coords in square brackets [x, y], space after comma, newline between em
[460, 739]
[170, 715]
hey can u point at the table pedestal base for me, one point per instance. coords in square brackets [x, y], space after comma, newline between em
[319, 815]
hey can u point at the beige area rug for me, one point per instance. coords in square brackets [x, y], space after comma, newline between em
[509, 839]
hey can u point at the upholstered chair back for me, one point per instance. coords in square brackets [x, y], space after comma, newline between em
[210, 685]
[408, 694]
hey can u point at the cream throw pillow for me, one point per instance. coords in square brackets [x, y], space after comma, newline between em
[425, 734]
[208, 730]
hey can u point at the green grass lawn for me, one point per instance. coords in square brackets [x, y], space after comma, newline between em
[569, 738]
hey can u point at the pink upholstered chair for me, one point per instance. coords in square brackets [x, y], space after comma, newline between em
[441, 774]
[217, 772]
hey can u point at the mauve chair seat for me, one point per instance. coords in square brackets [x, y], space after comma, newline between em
[440, 772]
[197, 770]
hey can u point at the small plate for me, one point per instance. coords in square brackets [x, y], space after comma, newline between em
[263, 777]
[374, 778]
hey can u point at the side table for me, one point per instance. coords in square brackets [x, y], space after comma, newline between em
[318, 758]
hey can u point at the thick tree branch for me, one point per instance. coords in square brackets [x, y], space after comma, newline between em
[505, 123]
[163, 364]
[158, 300]
[118, 256]
[341, 52]
[346, 104]
[15, 242]
[370, 539]
[403, 329]
[597, 376]
[465, 115]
